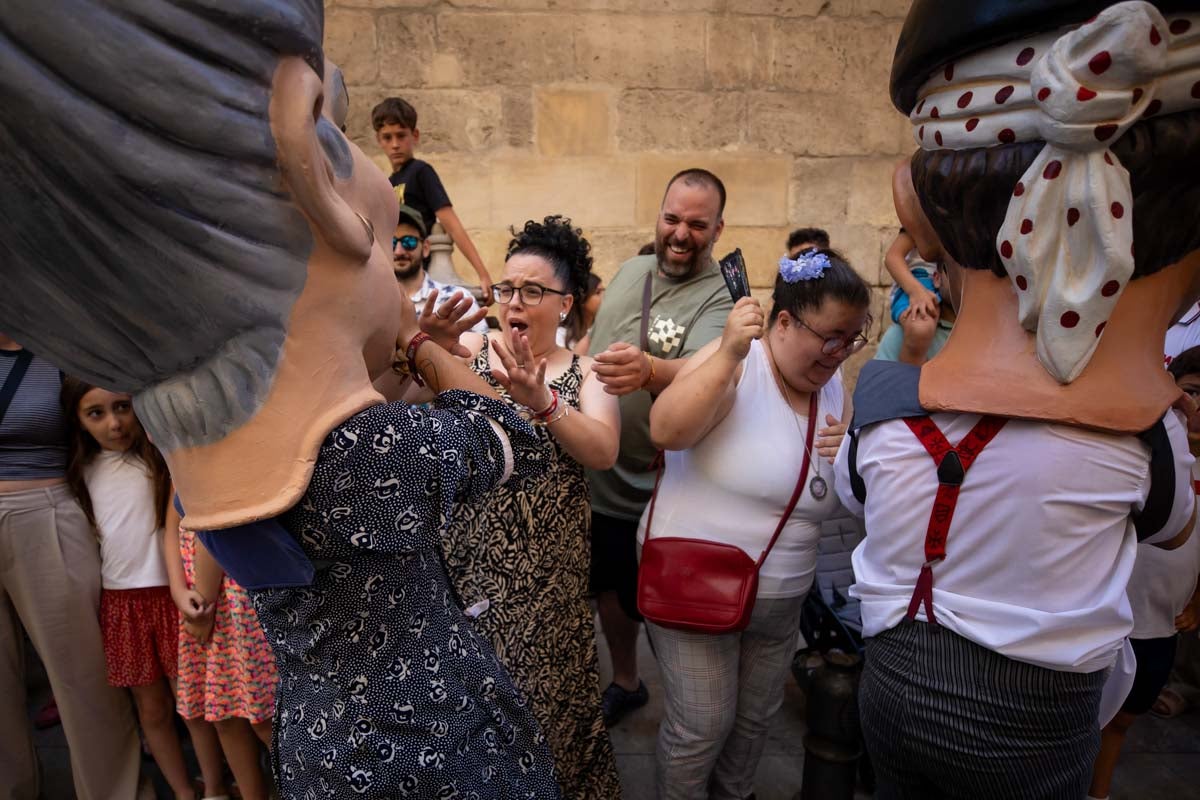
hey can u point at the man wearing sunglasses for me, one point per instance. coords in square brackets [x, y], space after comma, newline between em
[410, 251]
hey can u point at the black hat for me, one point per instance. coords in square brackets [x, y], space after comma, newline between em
[937, 32]
[411, 216]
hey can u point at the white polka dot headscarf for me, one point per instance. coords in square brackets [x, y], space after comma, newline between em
[1067, 239]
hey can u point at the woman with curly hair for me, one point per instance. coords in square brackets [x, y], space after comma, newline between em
[519, 558]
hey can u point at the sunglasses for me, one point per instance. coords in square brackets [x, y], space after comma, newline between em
[407, 242]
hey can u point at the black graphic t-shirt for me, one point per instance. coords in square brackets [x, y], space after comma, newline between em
[417, 184]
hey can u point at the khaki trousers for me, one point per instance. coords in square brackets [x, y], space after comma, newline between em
[50, 583]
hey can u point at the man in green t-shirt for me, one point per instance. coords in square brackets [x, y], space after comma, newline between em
[637, 359]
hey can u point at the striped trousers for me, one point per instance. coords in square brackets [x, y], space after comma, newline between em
[946, 718]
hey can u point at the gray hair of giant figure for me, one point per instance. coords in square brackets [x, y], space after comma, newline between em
[147, 239]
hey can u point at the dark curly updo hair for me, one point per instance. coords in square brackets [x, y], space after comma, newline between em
[559, 242]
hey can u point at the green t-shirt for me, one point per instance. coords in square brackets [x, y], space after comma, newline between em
[684, 316]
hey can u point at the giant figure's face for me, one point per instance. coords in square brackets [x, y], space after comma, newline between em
[227, 263]
[1058, 144]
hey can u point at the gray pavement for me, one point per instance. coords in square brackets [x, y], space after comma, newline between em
[1160, 758]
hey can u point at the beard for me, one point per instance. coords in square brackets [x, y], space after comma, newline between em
[676, 270]
[404, 273]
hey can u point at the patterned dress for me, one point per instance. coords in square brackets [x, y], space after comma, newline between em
[525, 549]
[386, 690]
[233, 674]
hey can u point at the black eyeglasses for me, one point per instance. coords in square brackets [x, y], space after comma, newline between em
[407, 242]
[836, 344]
[531, 293]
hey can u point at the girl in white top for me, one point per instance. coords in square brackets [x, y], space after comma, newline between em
[122, 485]
[735, 421]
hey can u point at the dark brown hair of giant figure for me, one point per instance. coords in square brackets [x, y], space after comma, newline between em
[965, 193]
[989, 365]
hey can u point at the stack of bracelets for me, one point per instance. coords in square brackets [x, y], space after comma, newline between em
[552, 412]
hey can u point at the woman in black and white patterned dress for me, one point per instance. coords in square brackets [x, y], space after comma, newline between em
[386, 690]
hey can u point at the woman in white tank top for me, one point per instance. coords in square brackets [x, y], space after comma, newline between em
[733, 424]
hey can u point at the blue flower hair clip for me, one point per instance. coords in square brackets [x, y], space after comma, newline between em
[806, 266]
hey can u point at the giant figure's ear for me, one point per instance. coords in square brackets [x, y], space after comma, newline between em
[912, 216]
[296, 101]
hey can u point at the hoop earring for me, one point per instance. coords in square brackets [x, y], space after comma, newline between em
[370, 228]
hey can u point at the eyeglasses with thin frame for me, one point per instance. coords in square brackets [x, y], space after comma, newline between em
[531, 293]
[835, 344]
[407, 242]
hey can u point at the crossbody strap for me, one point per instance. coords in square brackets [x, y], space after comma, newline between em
[952, 464]
[647, 291]
[647, 301]
[13, 381]
[791, 506]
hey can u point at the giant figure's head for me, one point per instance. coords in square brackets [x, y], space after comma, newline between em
[1060, 148]
[178, 220]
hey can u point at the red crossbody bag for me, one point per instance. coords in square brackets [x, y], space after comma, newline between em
[702, 586]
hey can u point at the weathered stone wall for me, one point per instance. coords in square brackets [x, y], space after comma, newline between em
[586, 107]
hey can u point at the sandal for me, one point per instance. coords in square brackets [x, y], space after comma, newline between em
[1169, 703]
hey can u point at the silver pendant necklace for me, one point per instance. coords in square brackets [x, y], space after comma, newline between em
[817, 487]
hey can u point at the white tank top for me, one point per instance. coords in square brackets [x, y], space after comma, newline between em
[734, 485]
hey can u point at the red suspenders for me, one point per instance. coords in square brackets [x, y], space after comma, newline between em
[952, 465]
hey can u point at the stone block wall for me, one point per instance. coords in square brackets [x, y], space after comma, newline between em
[586, 108]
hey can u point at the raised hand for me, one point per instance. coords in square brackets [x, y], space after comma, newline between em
[745, 324]
[446, 322]
[523, 378]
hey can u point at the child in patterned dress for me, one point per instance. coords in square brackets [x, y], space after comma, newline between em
[227, 672]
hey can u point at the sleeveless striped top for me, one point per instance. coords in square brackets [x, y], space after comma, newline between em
[33, 433]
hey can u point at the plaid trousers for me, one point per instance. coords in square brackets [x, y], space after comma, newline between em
[721, 692]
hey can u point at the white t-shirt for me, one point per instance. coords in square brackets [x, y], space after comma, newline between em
[123, 501]
[1042, 542]
[1183, 334]
[734, 485]
[1162, 583]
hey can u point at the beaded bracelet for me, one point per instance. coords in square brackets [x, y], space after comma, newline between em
[410, 356]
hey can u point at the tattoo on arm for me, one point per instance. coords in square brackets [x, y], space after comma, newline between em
[430, 374]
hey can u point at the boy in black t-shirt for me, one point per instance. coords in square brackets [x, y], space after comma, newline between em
[417, 184]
